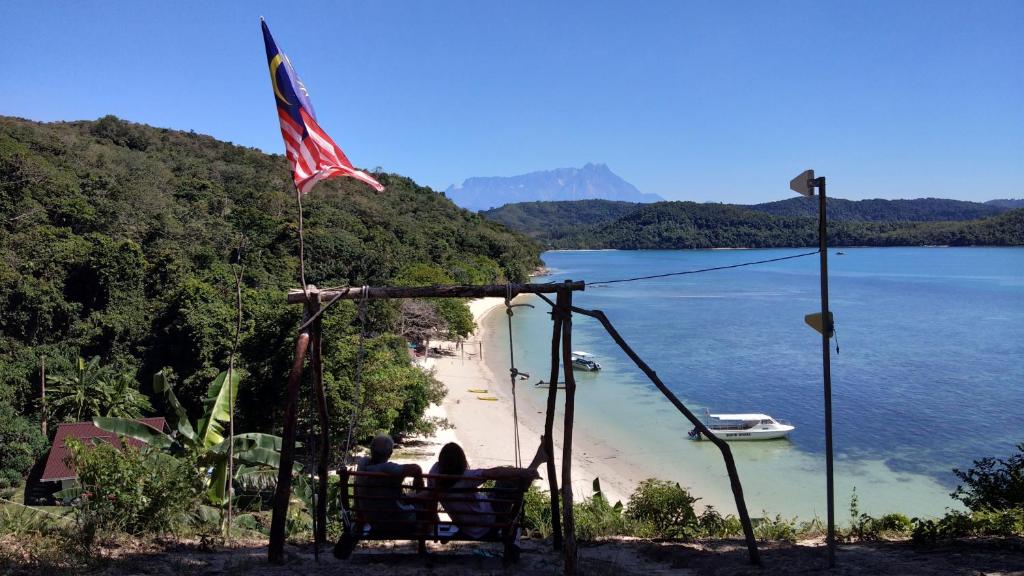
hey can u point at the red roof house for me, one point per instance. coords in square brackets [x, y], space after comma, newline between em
[57, 468]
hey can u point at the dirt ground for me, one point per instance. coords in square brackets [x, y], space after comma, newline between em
[613, 557]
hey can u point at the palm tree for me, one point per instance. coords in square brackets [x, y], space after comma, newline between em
[80, 394]
[94, 390]
[124, 400]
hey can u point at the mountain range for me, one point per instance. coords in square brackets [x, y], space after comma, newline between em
[589, 182]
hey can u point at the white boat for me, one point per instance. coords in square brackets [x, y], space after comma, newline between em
[584, 361]
[744, 427]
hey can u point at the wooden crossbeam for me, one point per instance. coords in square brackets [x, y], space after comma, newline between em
[296, 296]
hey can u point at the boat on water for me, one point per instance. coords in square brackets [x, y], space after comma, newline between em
[584, 361]
[744, 427]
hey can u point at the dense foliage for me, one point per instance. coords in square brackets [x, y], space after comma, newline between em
[993, 483]
[664, 509]
[693, 225]
[555, 219]
[119, 241]
[21, 443]
[133, 491]
[879, 210]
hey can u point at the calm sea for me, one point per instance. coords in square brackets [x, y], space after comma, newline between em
[929, 374]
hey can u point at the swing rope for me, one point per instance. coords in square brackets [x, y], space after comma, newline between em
[357, 411]
[514, 373]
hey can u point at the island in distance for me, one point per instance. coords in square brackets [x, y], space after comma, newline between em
[592, 181]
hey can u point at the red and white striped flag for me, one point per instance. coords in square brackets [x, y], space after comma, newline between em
[312, 154]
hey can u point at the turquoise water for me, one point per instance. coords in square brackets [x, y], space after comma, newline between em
[928, 378]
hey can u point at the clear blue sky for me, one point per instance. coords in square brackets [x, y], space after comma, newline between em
[708, 101]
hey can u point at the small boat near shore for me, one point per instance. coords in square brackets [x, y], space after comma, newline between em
[744, 427]
[584, 361]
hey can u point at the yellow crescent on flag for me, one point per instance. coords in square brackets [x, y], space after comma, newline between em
[273, 78]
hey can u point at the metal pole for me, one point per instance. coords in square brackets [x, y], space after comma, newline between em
[826, 334]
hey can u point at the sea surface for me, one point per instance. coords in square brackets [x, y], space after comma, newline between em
[929, 374]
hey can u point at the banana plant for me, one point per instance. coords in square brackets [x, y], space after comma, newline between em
[256, 455]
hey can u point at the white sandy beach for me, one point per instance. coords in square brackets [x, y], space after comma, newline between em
[484, 428]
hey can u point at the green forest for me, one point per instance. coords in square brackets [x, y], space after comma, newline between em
[120, 248]
[674, 225]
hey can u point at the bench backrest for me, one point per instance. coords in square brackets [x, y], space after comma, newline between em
[366, 503]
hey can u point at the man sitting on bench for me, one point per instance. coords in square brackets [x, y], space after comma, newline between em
[381, 498]
[468, 509]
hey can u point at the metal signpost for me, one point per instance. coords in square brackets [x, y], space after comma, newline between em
[805, 184]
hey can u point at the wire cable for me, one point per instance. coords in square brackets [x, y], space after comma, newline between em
[704, 269]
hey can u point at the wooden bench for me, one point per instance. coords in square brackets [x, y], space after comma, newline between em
[359, 510]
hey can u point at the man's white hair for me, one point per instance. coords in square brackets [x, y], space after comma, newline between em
[381, 447]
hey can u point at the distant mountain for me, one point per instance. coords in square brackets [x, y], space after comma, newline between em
[1009, 203]
[592, 181]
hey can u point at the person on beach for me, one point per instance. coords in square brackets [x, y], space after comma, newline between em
[381, 497]
[467, 508]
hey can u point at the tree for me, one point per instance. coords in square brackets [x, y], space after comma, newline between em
[95, 390]
[21, 443]
[993, 484]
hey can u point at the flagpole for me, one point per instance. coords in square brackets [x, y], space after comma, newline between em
[302, 246]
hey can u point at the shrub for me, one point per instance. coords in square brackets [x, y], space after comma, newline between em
[662, 509]
[596, 518]
[777, 528]
[537, 513]
[891, 523]
[960, 524]
[999, 523]
[993, 484]
[133, 491]
[813, 528]
[713, 525]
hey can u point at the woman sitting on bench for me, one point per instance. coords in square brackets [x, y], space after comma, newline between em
[469, 509]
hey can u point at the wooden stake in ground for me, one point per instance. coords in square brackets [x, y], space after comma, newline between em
[549, 425]
[317, 365]
[569, 546]
[284, 474]
[42, 395]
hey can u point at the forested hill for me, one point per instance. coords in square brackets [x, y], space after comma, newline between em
[878, 210]
[585, 224]
[116, 241]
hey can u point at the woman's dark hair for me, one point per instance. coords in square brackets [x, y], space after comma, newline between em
[451, 460]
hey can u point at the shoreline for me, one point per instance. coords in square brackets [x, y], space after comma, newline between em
[484, 428]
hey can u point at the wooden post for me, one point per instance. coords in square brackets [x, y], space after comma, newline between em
[284, 475]
[568, 522]
[321, 404]
[549, 423]
[42, 395]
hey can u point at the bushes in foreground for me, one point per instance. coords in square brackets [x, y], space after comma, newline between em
[133, 491]
[657, 509]
[993, 491]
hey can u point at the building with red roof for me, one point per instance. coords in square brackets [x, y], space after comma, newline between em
[59, 469]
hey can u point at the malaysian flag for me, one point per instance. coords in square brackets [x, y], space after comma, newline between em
[311, 153]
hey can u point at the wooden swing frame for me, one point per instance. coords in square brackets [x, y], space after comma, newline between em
[309, 341]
